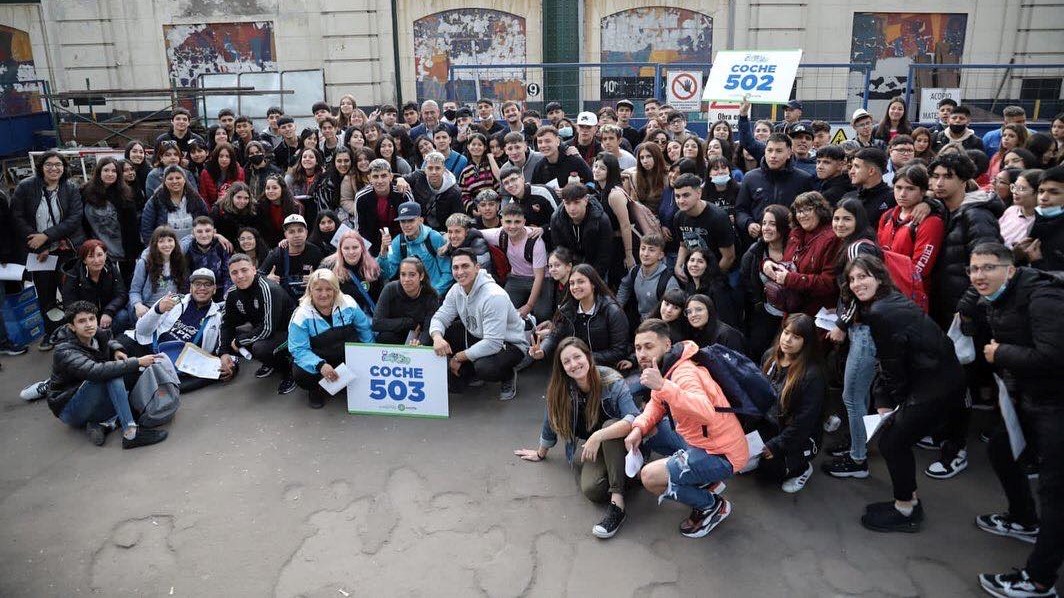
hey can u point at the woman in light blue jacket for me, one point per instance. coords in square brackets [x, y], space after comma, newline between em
[325, 320]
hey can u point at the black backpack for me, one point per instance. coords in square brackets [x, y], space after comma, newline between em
[749, 391]
[504, 241]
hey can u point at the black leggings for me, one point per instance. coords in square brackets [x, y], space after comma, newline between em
[904, 428]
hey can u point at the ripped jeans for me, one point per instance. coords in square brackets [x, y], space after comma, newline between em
[690, 471]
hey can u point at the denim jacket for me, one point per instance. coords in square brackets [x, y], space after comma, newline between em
[617, 403]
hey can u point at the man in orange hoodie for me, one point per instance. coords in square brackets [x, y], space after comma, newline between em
[716, 446]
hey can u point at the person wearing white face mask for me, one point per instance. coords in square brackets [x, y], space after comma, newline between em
[1027, 348]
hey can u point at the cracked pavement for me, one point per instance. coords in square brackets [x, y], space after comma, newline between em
[254, 494]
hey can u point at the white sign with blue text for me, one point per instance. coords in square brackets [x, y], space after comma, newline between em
[396, 380]
[762, 77]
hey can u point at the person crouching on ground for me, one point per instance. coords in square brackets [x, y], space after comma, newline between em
[591, 408]
[323, 322]
[716, 445]
[193, 318]
[86, 388]
[478, 326]
[261, 309]
[791, 432]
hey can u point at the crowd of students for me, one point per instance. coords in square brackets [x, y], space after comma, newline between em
[611, 252]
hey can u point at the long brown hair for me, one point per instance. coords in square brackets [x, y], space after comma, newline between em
[649, 184]
[804, 326]
[178, 268]
[560, 389]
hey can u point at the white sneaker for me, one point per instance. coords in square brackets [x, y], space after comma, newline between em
[36, 390]
[508, 390]
[944, 471]
[797, 483]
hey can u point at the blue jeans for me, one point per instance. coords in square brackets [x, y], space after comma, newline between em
[689, 471]
[857, 386]
[665, 441]
[97, 402]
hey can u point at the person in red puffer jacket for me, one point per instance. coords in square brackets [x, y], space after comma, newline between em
[808, 267]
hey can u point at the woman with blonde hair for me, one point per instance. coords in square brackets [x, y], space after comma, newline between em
[591, 408]
[358, 271]
[325, 320]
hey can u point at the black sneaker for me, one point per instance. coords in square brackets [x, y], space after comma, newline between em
[702, 521]
[264, 372]
[97, 433]
[944, 470]
[144, 438]
[286, 386]
[1002, 524]
[845, 467]
[1014, 585]
[928, 444]
[610, 523]
[891, 520]
[840, 449]
[9, 348]
[316, 400]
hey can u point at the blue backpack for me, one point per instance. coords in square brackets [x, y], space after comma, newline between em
[747, 388]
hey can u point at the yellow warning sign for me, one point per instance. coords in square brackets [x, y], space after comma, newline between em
[838, 137]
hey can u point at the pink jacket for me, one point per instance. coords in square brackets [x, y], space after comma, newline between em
[691, 396]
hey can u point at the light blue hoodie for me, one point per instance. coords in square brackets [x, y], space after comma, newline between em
[439, 268]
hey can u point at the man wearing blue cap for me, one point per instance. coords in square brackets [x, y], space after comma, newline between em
[415, 240]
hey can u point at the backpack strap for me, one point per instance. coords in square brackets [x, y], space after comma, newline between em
[663, 281]
[504, 240]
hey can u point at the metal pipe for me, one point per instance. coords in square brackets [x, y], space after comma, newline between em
[395, 55]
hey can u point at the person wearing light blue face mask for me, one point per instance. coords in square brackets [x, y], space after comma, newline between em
[1045, 251]
[1027, 349]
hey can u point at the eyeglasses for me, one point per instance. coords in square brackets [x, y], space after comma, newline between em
[167, 144]
[53, 166]
[903, 150]
[987, 269]
[1018, 189]
[202, 285]
[805, 210]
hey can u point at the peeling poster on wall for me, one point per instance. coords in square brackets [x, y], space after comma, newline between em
[192, 50]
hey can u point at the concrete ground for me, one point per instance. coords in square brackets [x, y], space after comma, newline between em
[256, 495]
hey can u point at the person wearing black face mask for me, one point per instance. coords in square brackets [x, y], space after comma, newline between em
[958, 131]
[258, 167]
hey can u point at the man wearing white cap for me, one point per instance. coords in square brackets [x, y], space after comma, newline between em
[291, 263]
[586, 142]
[194, 318]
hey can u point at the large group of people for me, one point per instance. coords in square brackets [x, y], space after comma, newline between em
[847, 275]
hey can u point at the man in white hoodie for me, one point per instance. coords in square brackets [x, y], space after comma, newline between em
[479, 328]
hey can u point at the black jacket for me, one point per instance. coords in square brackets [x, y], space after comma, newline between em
[801, 420]
[917, 361]
[10, 249]
[972, 223]
[369, 225]
[74, 363]
[1050, 231]
[605, 331]
[436, 205]
[546, 172]
[1026, 322]
[763, 187]
[228, 225]
[718, 333]
[591, 241]
[397, 313]
[264, 305]
[182, 142]
[876, 200]
[109, 295]
[834, 188]
[27, 198]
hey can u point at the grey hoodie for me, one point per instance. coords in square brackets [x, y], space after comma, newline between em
[486, 312]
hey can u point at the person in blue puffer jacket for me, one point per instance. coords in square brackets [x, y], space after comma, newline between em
[325, 320]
